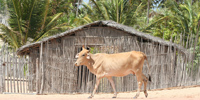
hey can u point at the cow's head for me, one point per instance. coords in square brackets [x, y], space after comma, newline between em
[82, 57]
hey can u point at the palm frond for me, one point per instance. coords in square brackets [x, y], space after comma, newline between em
[10, 36]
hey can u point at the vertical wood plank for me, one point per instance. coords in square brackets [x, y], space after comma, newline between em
[7, 74]
[28, 76]
[24, 72]
[46, 64]
[10, 71]
[18, 72]
[3, 70]
[63, 71]
[52, 75]
[37, 76]
[19, 84]
[198, 73]
[14, 71]
[31, 74]
[1, 76]
[42, 68]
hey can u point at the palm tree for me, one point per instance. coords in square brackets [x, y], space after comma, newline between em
[122, 11]
[175, 18]
[2, 6]
[30, 20]
[148, 8]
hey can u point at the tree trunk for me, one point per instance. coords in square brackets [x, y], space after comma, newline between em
[77, 8]
[148, 4]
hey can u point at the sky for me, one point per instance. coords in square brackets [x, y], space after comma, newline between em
[86, 1]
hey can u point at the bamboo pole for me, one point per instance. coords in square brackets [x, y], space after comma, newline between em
[1, 76]
[14, 71]
[31, 74]
[27, 76]
[198, 73]
[63, 71]
[37, 76]
[9, 88]
[10, 76]
[42, 68]
[24, 72]
[19, 84]
[3, 69]
[52, 75]
[46, 63]
[6, 75]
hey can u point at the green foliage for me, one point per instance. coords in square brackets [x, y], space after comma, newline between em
[121, 11]
[2, 6]
[94, 50]
[30, 21]
[193, 67]
[175, 19]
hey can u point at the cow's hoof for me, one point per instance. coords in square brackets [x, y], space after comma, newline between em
[114, 97]
[135, 97]
[146, 95]
[90, 97]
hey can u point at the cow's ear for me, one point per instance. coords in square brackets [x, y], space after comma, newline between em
[83, 47]
[88, 49]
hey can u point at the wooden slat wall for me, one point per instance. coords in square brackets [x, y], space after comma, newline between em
[168, 65]
[61, 76]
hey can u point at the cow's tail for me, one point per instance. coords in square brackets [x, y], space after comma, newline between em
[145, 57]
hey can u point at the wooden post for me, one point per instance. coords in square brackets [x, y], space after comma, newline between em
[27, 76]
[63, 71]
[3, 69]
[30, 68]
[14, 71]
[7, 89]
[1, 76]
[37, 76]
[42, 68]
[10, 75]
[198, 74]
[23, 71]
[17, 71]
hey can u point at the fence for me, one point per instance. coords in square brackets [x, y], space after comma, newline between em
[14, 72]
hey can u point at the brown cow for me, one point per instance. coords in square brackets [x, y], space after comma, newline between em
[119, 64]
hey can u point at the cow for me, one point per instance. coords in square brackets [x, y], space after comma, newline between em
[118, 65]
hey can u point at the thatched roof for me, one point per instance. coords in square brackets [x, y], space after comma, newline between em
[111, 24]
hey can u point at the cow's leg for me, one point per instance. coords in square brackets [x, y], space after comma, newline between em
[139, 80]
[96, 86]
[113, 86]
[145, 80]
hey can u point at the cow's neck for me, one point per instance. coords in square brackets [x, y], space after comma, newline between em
[91, 62]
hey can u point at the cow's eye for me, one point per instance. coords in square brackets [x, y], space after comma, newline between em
[83, 55]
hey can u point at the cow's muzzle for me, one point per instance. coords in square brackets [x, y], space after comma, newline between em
[76, 64]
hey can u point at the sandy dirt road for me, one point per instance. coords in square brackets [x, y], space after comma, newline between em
[189, 93]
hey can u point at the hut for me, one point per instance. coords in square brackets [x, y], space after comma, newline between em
[52, 59]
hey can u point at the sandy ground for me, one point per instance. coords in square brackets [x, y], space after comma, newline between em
[188, 93]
